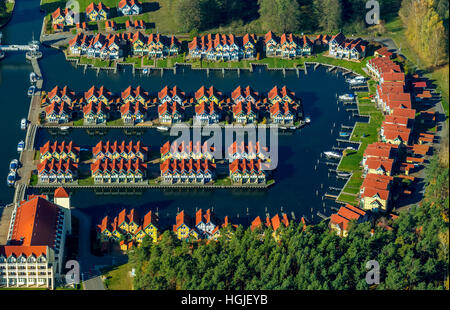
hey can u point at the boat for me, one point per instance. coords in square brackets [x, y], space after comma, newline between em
[65, 128]
[11, 178]
[343, 174]
[282, 127]
[23, 123]
[33, 77]
[344, 134]
[293, 127]
[162, 128]
[331, 154]
[21, 146]
[356, 80]
[350, 148]
[346, 97]
[31, 90]
[145, 71]
[13, 165]
[307, 120]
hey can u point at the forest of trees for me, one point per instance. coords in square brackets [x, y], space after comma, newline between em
[280, 15]
[426, 23]
[413, 255]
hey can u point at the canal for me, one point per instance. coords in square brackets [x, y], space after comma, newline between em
[300, 182]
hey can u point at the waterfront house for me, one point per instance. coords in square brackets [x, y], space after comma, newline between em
[247, 151]
[154, 45]
[244, 94]
[207, 224]
[170, 95]
[244, 171]
[128, 151]
[287, 45]
[63, 17]
[187, 150]
[394, 134]
[170, 113]
[34, 251]
[377, 181]
[249, 42]
[58, 95]
[374, 199]
[352, 49]
[277, 95]
[339, 222]
[204, 94]
[53, 171]
[96, 12]
[129, 222]
[245, 112]
[207, 113]
[284, 113]
[222, 47]
[118, 171]
[150, 226]
[101, 94]
[183, 226]
[379, 65]
[187, 171]
[379, 166]
[256, 224]
[129, 7]
[138, 94]
[58, 113]
[379, 150]
[133, 113]
[60, 151]
[95, 113]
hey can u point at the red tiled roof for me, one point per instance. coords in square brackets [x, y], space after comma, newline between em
[35, 222]
[60, 192]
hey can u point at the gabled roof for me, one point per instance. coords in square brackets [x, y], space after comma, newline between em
[60, 192]
[35, 222]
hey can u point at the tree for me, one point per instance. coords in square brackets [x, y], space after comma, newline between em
[328, 14]
[189, 15]
[279, 15]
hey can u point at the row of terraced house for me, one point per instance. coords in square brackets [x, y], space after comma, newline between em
[194, 163]
[399, 153]
[94, 12]
[98, 105]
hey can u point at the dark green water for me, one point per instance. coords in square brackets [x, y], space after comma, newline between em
[296, 178]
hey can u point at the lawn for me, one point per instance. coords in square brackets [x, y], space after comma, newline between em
[85, 181]
[116, 122]
[366, 133]
[118, 277]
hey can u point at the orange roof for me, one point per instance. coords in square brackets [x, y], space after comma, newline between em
[35, 222]
[17, 250]
[256, 223]
[60, 192]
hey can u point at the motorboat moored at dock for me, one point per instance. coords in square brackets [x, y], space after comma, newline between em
[14, 165]
[23, 123]
[344, 134]
[346, 97]
[33, 77]
[162, 128]
[21, 146]
[332, 154]
[31, 90]
[11, 179]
